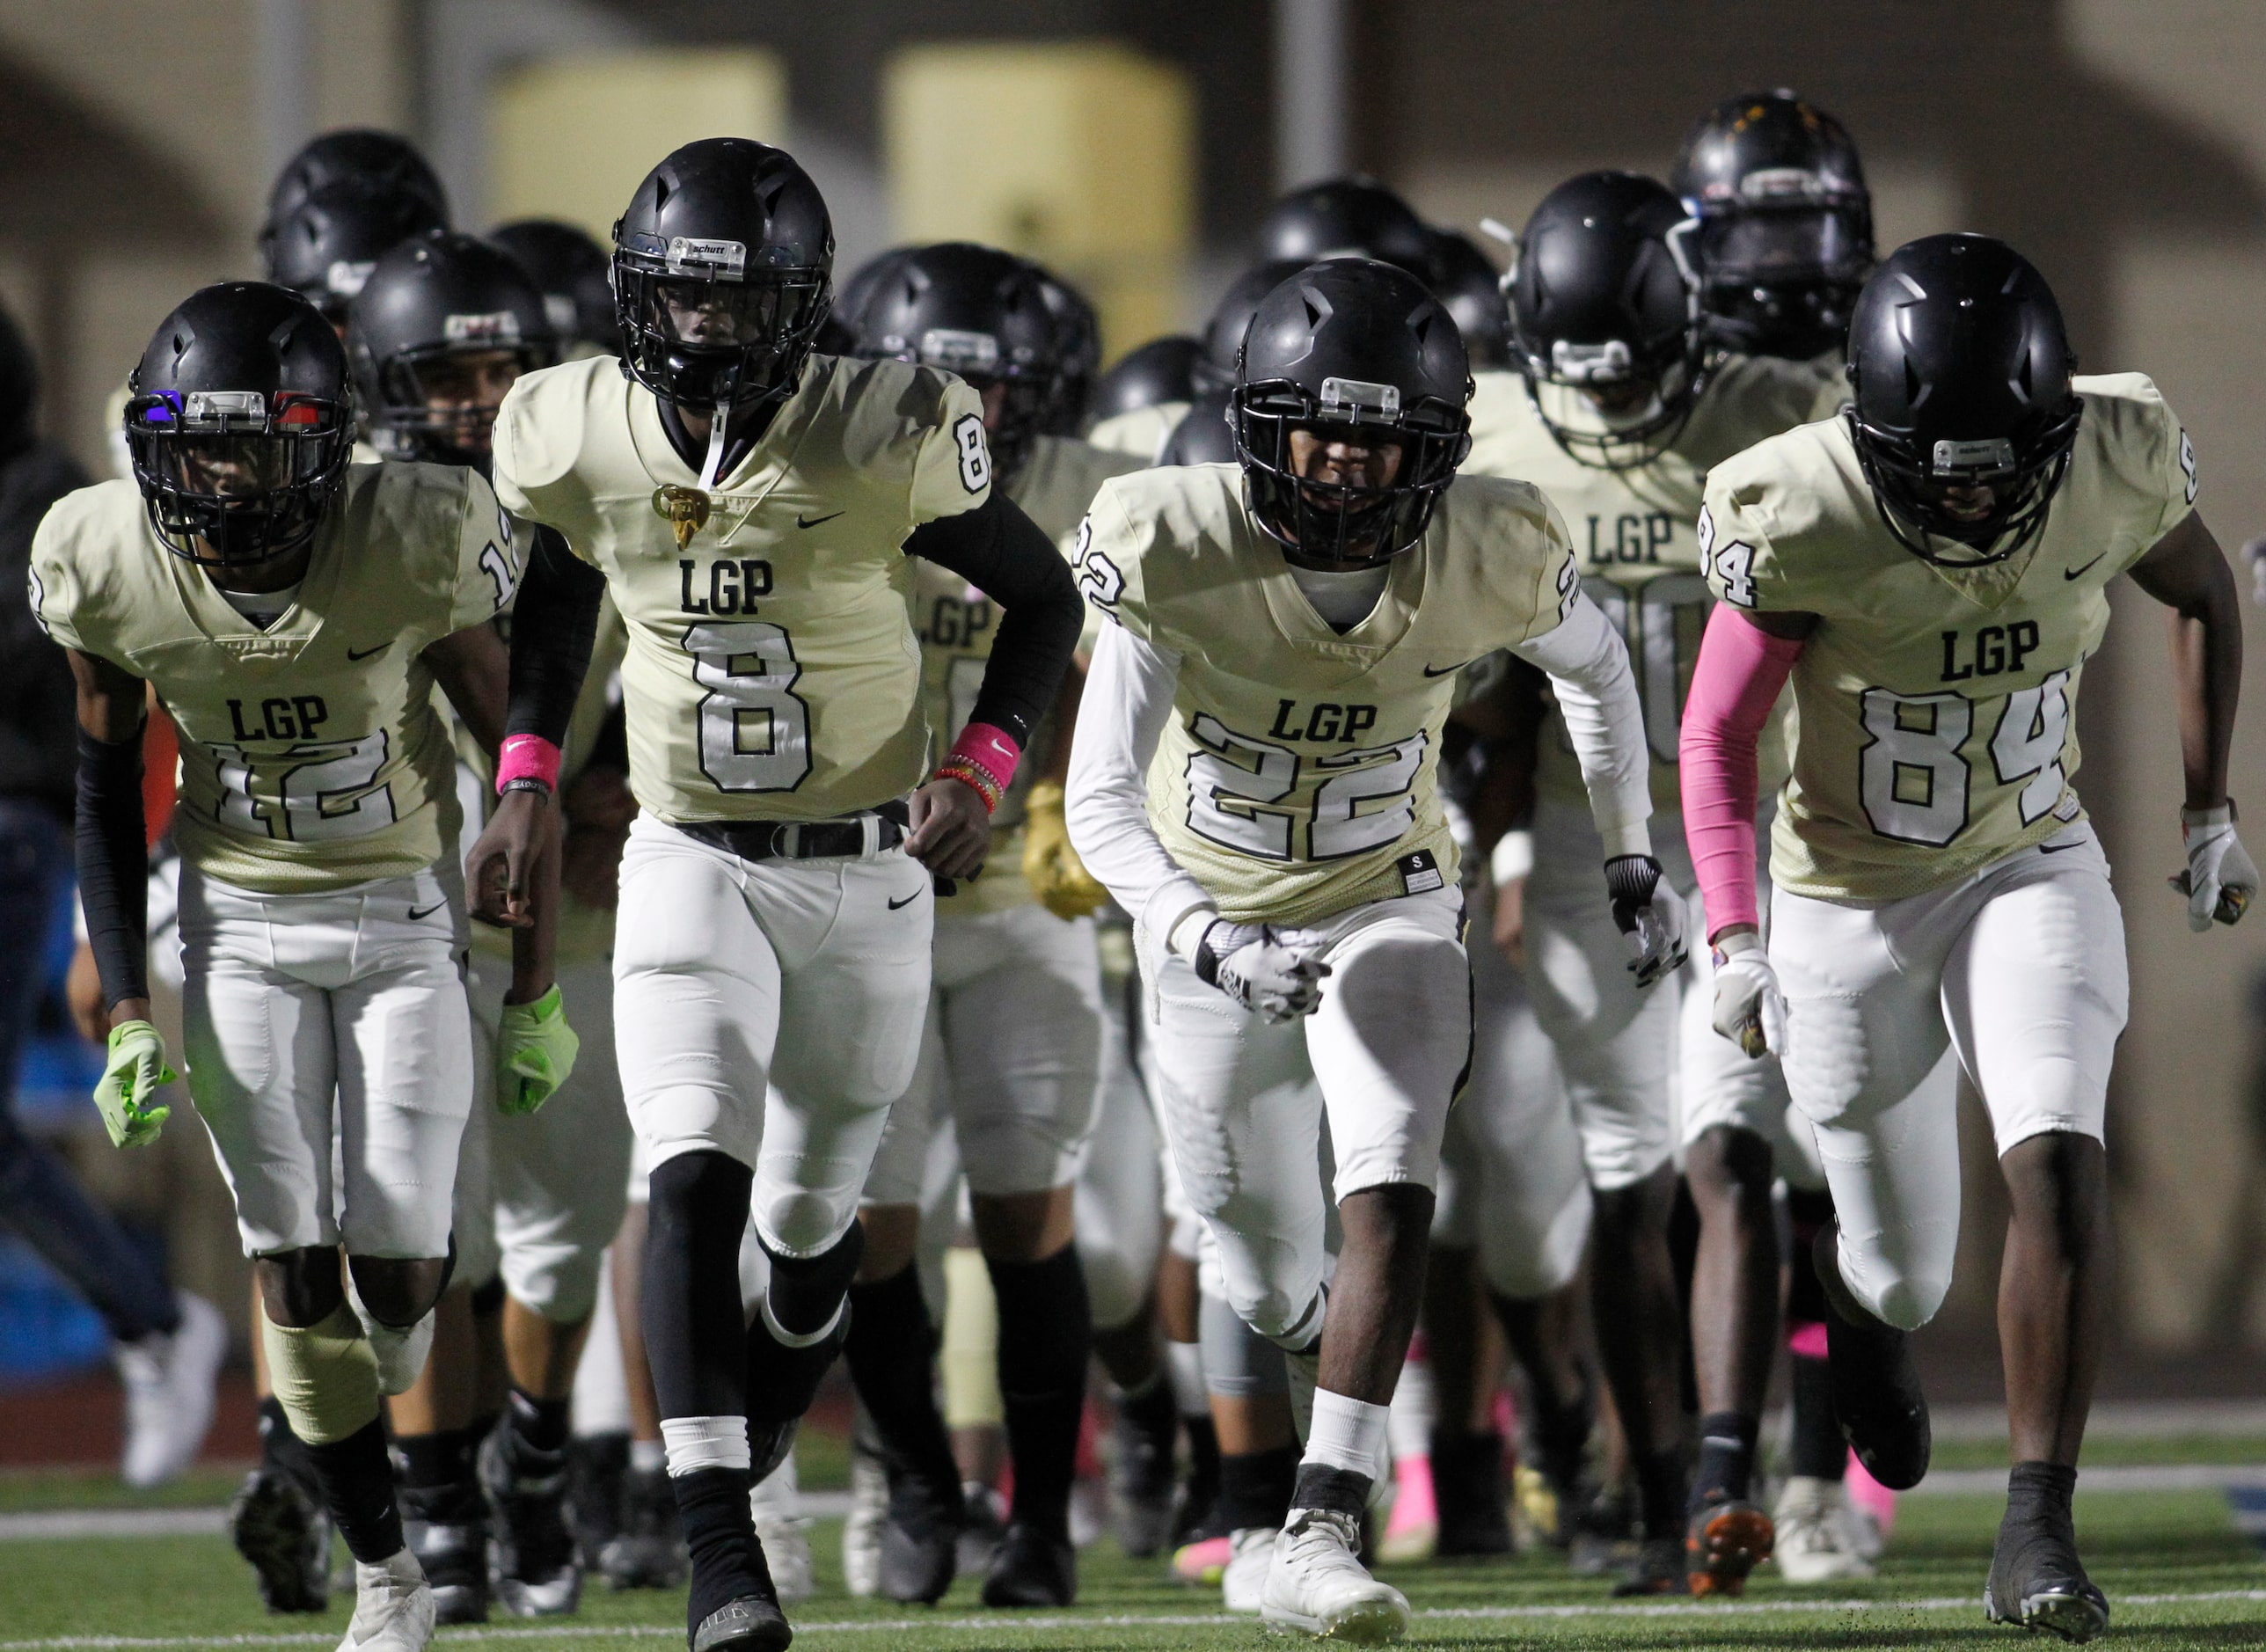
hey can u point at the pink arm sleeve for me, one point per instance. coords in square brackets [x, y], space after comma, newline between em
[1737, 682]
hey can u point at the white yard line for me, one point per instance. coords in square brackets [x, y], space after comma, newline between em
[996, 1623]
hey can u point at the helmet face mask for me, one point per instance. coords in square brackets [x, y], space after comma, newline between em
[723, 267]
[233, 479]
[1604, 318]
[1349, 414]
[440, 405]
[1961, 412]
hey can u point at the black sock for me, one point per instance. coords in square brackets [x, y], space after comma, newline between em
[1046, 1336]
[1817, 1449]
[891, 1354]
[280, 1448]
[806, 1290]
[1318, 1486]
[1254, 1486]
[695, 1334]
[720, 1534]
[443, 1458]
[2039, 1491]
[1806, 1212]
[1152, 1408]
[537, 1428]
[357, 1481]
[1661, 1493]
[1200, 1492]
[1727, 1458]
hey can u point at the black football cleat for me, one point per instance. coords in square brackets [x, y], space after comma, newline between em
[446, 1528]
[1474, 1513]
[1141, 1471]
[920, 1536]
[1659, 1570]
[1876, 1386]
[1031, 1569]
[286, 1535]
[535, 1572]
[752, 1623]
[2037, 1581]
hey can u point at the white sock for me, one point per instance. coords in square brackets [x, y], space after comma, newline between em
[699, 1443]
[1347, 1434]
[1413, 1411]
[1185, 1361]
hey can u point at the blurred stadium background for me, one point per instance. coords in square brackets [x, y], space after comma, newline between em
[2121, 143]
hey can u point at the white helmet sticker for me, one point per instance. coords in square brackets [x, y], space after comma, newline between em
[718, 260]
[347, 277]
[499, 326]
[959, 352]
[1358, 396]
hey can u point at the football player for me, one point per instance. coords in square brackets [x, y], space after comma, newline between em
[1784, 243]
[385, 160]
[1785, 224]
[754, 509]
[443, 327]
[1254, 780]
[1158, 375]
[1353, 216]
[1616, 411]
[294, 612]
[1929, 572]
[1021, 1091]
[572, 272]
[325, 247]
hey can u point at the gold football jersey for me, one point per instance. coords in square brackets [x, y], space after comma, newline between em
[956, 622]
[773, 672]
[1296, 778]
[1632, 532]
[1935, 709]
[1140, 433]
[312, 758]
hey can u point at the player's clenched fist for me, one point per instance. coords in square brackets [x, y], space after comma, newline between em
[2221, 877]
[132, 1073]
[1750, 1009]
[1277, 972]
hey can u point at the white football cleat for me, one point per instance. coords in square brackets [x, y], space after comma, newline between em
[776, 1503]
[861, 1532]
[1818, 1537]
[1250, 1557]
[1319, 1586]
[168, 1377]
[393, 1607]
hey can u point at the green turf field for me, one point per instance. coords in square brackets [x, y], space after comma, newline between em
[2178, 1574]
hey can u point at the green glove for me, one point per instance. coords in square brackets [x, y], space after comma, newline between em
[535, 1053]
[130, 1078]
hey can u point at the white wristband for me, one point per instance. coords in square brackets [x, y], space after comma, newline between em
[1513, 857]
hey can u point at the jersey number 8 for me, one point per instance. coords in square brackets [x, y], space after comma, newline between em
[1913, 781]
[755, 730]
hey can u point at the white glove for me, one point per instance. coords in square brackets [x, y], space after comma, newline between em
[2221, 877]
[2254, 554]
[1647, 911]
[1277, 972]
[1750, 1010]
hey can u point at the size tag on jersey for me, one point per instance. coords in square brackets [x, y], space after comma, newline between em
[1420, 872]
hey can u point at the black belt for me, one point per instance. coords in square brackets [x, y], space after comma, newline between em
[851, 835]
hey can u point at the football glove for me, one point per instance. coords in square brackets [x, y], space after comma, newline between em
[1050, 865]
[535, 1053]
[2220, 878]
[1647, 911]
[1276, 972]
[1750, 1009]
[131, 1074]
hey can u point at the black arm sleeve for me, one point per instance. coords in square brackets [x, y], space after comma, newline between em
[554, 620]
[113, 865]
[1004, 554]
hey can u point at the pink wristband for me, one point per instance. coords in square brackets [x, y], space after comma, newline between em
[990, 749]
[527, 758]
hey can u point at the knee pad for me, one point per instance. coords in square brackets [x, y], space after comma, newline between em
[1238, 1363]
[324, 1376]
[799, 1222]
[1114, 1292]
[1906, 1297]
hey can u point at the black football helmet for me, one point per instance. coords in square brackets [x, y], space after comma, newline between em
[384, 158]
[852, 298]
[1604, 299]
[325, 247]
[980, 313]
[20, 388]
[723, 272]
[1078, 353]
[241, 423]
[1785, 224]
[1466, 279]
[1959, 370]
[574, 275]
[1350, 347]
[1206, 433]
[1231, 318]
[1161, 370]
[430, 309]
[1345, 218]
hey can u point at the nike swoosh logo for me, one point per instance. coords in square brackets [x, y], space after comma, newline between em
[801, 521]
[414, 915]
[2055, 849]
[898, 906]
[364, 653]
[2071, 573]
[1443, 670]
